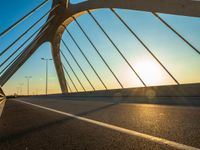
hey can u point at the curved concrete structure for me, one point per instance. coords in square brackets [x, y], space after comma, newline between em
[63, 17]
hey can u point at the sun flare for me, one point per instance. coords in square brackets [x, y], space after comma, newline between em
[149, 71]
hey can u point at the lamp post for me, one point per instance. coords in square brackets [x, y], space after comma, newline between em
[28, 78]
[46, 60]
[18, 90]
[21, 84]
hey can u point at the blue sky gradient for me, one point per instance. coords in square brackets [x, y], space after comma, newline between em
[178, 57]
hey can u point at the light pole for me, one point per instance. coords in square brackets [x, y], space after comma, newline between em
[28, 78]
[46, 60]
[21, 84]
[18, 90]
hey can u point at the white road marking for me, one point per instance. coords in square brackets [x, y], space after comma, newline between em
[119, 129]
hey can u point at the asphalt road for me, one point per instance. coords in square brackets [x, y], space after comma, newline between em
[80, 124]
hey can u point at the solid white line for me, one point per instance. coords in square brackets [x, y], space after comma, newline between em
[119, 129]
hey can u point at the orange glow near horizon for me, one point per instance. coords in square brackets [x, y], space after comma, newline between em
[148, 71]
[152, 73]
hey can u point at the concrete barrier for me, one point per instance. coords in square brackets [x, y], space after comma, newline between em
[184, 90]
[187, 94]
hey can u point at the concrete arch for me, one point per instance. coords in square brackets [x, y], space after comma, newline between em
[30, 68]
[68, 10]
[55, 44]
[63, 16]
[56, 53]
[27, 52]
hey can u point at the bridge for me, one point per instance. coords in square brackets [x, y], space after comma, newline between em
[126, 105]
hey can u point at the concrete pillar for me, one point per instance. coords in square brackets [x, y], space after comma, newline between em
[55, 43]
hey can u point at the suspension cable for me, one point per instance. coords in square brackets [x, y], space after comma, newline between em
[23, 18]
[48, 21]
[84, 56]
[179, 35]
[116, 47]
[144, 45]
[67, 48]
[31, 27]
[37, 38]
[70, 89]
[70, 78]
[11, 62]
[73, 70]
[95, 48]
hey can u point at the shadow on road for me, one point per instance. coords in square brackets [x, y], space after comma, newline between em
[21, 132]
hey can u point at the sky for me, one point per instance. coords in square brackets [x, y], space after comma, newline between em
[181, 61]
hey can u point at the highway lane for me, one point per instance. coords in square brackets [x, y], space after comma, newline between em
[174, 123]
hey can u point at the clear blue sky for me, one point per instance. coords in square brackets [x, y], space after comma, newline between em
[180, 59]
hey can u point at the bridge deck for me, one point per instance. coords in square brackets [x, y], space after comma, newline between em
[24, 126]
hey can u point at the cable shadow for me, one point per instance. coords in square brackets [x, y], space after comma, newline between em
[49, 124]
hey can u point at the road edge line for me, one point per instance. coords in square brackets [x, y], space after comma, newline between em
[151, 138]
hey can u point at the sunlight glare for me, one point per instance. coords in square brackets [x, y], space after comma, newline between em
[149, 71]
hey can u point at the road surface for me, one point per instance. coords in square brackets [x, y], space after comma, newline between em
[53, 123]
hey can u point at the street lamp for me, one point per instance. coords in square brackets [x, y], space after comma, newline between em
[46, 60]
[28, 78]
[21, 84]
[18, 90]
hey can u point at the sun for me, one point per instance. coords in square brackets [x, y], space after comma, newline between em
[149, 71]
